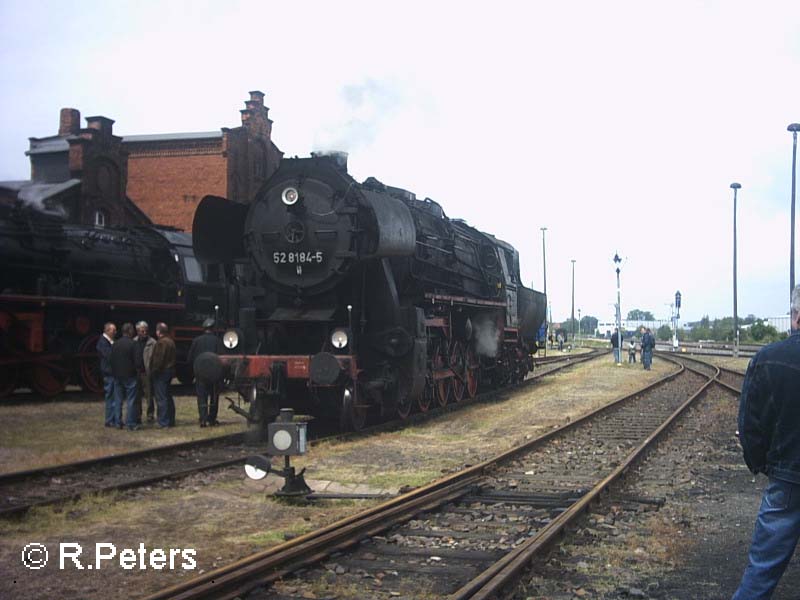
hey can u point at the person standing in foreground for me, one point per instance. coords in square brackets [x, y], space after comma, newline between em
[124, 367]
[632, 351]
[144, 353]
[104, 345]
[648, 345]
[162, 370]
[207, 342]
[769, 431]
[615, 345]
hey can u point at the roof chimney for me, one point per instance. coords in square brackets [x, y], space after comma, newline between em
[70, 122]
[101, 124]
[257, 97]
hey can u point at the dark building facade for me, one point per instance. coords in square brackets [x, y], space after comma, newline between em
[80, 174]
[93, 177]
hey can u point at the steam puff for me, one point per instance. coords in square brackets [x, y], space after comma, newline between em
[365, 106]
[487, 336]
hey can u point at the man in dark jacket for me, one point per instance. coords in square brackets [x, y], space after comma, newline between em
[208, 342]
[162, 370]
[104, 345]
[615, 345]
[124, 368]
[648, 345]
[769, 431]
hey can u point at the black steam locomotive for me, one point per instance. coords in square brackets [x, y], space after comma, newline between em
[367, 298]
[60, 282]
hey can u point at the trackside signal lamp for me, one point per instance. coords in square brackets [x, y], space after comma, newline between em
[285, 438]
[678, 303]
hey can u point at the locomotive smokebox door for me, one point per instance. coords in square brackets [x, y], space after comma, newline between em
[285, 437]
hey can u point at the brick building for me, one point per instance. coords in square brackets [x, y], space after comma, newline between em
[80, 174]
[168, 174]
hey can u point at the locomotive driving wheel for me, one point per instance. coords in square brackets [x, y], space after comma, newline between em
[443, 386]
[458, 365]
[353, 415]
[49, 378]
[427, 396]
[473, 369]
[91, 379]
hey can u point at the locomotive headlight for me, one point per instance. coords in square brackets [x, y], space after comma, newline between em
[339, 339]
[230, 339]
[290, 196]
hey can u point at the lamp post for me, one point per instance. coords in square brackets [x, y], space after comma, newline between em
[573, 299]
[544, 276]
[735, 187]
[675, 322]
[794, 128]
[579, 323]
[617, 263]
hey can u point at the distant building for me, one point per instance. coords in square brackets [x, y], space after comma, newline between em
[168, 174]
[605, 329]
[80, 174]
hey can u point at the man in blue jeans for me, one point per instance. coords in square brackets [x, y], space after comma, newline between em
[769, 431]
[104, 345]
[162, 370]
[123, 366]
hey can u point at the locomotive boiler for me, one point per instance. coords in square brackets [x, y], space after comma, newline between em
[60, 282]
[371, 300]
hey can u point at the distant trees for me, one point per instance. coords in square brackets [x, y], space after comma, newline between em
[721, 330]
[664, 333]
[588, 325]
[640, 315]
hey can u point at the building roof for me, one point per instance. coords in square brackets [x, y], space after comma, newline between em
[172, 137]
[49, 144]
[36, 192]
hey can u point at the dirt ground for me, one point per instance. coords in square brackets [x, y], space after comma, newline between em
[222, 516]
[45, 433]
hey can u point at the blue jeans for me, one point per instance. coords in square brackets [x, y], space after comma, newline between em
[112, 404]
[126, 394]
[647, 359]
[774, 539]
[616, 355]
[164, 399]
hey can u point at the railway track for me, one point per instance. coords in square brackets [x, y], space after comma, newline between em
[469, 534]
[20, 491]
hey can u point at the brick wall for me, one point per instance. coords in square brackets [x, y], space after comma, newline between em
[169, 188]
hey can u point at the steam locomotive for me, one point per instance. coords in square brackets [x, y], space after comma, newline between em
[366, 299]
[60, 282]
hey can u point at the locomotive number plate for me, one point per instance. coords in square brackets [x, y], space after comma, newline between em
[300, 257]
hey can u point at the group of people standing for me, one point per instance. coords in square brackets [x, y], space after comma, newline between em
[648, 344]
[137, 368]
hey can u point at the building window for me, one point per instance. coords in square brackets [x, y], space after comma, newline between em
[100, 218]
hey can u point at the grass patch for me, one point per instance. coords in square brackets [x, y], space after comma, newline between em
[41, 434]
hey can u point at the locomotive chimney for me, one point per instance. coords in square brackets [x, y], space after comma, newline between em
[70, 122]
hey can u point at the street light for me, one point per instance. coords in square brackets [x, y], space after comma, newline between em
[579, 323]
[573, 299]
[794, 128]
[617, 263]
[735, 187]
[675, 320]
[544, 273]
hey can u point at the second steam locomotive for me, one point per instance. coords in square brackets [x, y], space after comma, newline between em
[363, 298]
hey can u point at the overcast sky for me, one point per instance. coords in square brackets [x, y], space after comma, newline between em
[619, 126]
